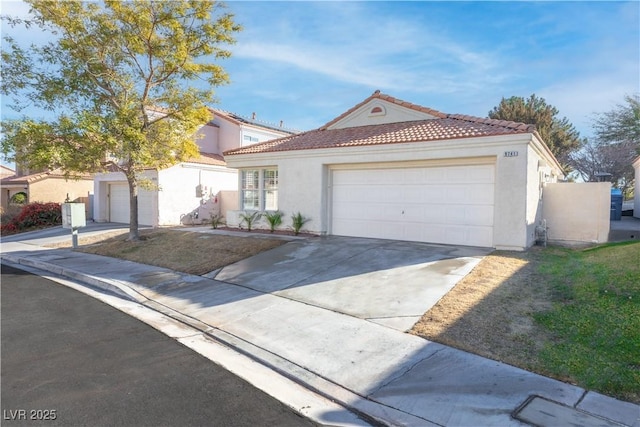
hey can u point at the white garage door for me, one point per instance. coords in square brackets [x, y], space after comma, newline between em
[445, 204]
[119, 205]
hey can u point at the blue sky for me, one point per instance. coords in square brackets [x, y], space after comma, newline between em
[307, 62]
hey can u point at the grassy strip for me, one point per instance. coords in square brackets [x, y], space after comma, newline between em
[595, 319]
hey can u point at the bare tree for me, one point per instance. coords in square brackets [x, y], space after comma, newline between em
[616, 144]
[598, 161]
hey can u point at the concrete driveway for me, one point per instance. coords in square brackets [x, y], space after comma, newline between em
[388, 282]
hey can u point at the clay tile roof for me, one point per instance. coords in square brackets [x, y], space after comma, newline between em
[443, 127]
[452, 126]
[35, 177]
[208, 159]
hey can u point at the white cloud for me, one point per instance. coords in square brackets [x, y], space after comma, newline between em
[393, 54]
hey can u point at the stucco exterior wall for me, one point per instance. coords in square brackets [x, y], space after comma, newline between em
[539, 173]
[190, 193]
[101, 184]
[9, 191]
[577, 212]
[636, 199]
[57, 189]
[304, 183]
[228, 135]
[207, 139]
[390, 113]
[228, 202]
[257, 132]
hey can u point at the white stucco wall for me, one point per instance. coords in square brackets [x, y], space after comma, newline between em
[180, 202]
[304, 184]
[539, 173]
[101, 184]
[636, 199]
[577, 212]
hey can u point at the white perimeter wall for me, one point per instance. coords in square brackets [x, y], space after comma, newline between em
[178, 199]
[577, 212]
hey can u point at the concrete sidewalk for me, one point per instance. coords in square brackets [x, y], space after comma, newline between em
[385, 374]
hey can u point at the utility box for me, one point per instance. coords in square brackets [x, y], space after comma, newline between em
[73, 215]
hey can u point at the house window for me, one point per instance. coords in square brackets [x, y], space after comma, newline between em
[378, 110]
[250, 190]
[270, 189]
[250, 139]
[259, 189]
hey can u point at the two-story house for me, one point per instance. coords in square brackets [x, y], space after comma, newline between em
[189, 192]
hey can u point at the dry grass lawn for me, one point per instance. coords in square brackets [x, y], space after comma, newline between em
[189, 252]
[570, 314]
[489, 312]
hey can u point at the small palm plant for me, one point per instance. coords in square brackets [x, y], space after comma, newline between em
[216, 220]
[250, 218]
[274, 219]
[297, 221]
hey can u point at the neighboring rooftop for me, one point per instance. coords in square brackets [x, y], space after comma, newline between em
[6, 171]
[208, 159]
[35, 177]
[444, 126]
[238, 119]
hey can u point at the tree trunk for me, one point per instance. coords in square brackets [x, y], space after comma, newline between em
[134, 234]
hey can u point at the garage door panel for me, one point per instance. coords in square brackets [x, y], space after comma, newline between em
[465, 215]
[480, 194]
[452, 204]
[119, 206]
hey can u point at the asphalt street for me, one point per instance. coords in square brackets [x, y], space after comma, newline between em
[68, 359]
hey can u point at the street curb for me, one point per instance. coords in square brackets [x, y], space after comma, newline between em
[295, 396]
[122, 290]
[364, 407]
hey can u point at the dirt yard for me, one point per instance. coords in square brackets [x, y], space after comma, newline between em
[189, 252]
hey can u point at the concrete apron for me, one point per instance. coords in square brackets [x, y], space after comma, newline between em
[387, 282]
[356, 361]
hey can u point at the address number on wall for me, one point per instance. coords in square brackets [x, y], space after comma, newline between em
[511, 154]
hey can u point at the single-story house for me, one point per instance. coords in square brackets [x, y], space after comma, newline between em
[391, 169]
[47, 186]
[636, 199]
[188, 192]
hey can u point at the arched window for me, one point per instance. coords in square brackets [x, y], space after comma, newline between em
[18, 198]
[377, 110]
